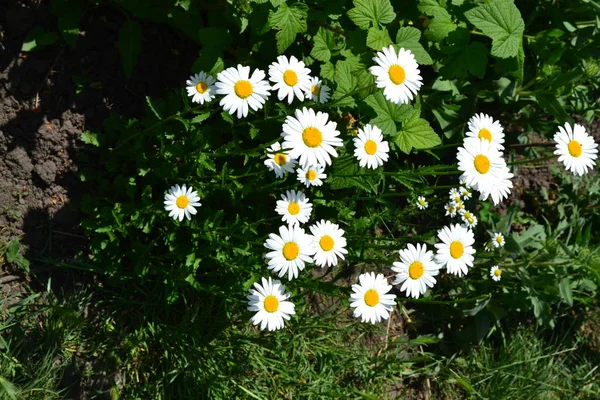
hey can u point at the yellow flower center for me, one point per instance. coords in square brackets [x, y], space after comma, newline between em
[371, 298]
[422, 202]
[397, 74]
[485, 134]
[290, 251]
[280, 159]
[468, 215]
[326, 243]
[290, 78]
[315, 90]
[371, 147]
[497, 272]
[293, 208]
[312, 137]
[243, 89]
[499, 240]
[482, 164]
[311, 175]
[201, 87]
[574, 148]
[456, 249]
[271, 304]
[182, 201]
[415, 270]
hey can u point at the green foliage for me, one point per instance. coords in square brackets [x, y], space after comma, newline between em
[38, 38]
[130, 42]
[374, 13]
[289, 21]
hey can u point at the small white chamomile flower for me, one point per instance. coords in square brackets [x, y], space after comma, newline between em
[328, 243]
[460, 206]
[269, 300]
[291, 249]
[318, 92]
[495, 273]
[294, 207]
[498, 240]
[469, 219]
[462, 182]
[398, 74]
[575, 148]
[453, 193]
[181, 201]
[369, 298]
[422, 203]
[489, 246]
[484, 169]
[311, 176]
[291, 78]
[201, 88]
[279, 161]
[242, 90]
[456, 250]
[311, 137]
[416, 269]
[450, 209]
[369, 147]
[465, 193]
[482, 126]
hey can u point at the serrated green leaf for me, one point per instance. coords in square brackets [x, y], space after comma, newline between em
[289, 20]
[416, 133]
[348, 74]
[130, 42]
[344, 175]
[408, 38]
[502, 22]
[377, 38]
[151, 106]
[472, 58]
[327, 71]
[323, 44]
[90, 138]
[199, 118]
[387, 113]
[367, 12]
[441, 24]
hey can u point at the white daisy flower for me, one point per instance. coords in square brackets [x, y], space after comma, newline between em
[575, 148]
[450, 209]
[488, 246]
[484, 169]
[269, 300]
[369, 147]
[456, 250]
[422, 203]
[469, 219]
[453, 193]
[370, 299]
[482, 126]
[242, 90]
[328, 243]
[460, 206]
[290, 77]
[318, 92]
[416, 269]
[291, 250]
[456, 198]
[279, 160]
[311, 137]
[398, 74]
[294, 208]
[181, 201]
[313, 175]
[498, 240]
[201, 88]
[465, 193]
[496, 273]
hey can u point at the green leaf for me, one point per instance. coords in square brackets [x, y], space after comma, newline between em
[88, 137]
[388, 113]
[323, 44]
[441, 24]
[38, 38]
[408, 38]
[501, 21]
[151, 106]
[130, 41]
[472, 58]
[344, 175]
[68, 22]
[377, 38]
[289, 20]
[367, 12]
[550, 103]
[327, 71]
[416, 132]
[564, 287]
[199, 118]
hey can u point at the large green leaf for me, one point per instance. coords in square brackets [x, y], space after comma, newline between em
[408, 38]
[441, 24]
[417, 133]
[375, 12]
[387, 113]
[501, 21]
[377, 38]
[323, 44]
[289, 20]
